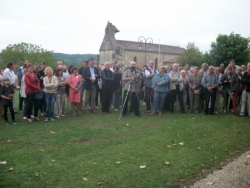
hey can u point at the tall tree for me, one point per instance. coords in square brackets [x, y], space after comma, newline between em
[18, 53]
[191, 56]
[228, 47]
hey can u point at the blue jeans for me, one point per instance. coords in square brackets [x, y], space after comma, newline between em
[50, 99]
[159, 98]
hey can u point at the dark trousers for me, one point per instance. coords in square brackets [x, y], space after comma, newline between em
[142, 95]
[134, 102]
[148, 90]
[42, 103]
[178, 93]
[30, 101]
[21, 100]
[10, 106]
[107, 93]
[117, 94]
[212, 96]
[167, 101]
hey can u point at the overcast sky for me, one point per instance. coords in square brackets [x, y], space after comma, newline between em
[77, 26]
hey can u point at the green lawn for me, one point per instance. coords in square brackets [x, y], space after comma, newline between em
[91, 145]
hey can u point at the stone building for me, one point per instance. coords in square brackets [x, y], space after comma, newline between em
[124, 51]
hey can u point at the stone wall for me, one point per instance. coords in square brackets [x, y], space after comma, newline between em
[139, 57]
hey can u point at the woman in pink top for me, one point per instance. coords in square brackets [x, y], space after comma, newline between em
[75, 82]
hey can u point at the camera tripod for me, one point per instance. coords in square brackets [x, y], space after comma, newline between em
[128, 93]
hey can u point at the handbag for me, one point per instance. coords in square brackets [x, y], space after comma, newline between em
[197, 91]
[39, 95]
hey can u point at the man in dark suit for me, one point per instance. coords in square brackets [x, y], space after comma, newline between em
[91, 75]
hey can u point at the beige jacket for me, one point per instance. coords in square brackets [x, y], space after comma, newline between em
[174, 80]
[50, 87]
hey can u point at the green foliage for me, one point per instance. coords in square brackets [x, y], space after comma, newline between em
[228, 47]
[74, 58]
[191, 56]
[18, 53]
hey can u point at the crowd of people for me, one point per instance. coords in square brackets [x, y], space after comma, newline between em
[188, 89]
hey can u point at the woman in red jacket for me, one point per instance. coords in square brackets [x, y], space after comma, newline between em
[32, 87]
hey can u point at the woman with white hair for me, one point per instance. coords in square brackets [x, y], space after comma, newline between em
[50, 83]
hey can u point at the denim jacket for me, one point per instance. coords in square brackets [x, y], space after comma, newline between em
[164, 80]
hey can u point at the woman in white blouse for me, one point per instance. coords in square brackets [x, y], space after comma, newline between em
[50, 83]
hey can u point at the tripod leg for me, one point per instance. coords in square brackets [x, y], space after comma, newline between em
[128, 91]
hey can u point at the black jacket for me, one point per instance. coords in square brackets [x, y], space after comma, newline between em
[246, 81]
[87, 74]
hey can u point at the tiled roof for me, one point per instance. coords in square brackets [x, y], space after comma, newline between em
[131, 45]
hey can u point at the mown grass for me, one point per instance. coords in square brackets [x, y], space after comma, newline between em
[90, 146]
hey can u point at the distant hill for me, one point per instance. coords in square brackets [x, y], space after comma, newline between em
[73, 58]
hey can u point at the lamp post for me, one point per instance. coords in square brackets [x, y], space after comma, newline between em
[149, 41]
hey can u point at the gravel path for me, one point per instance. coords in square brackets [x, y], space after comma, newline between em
[235, 174]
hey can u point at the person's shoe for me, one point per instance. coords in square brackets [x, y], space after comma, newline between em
[32, 116]
[148, 111]
[46, 119]
[97, 108]
[6, 123]
[36, 119]
[112, 107]
[14, 122]
[29, 120]
[116, 109]
[62, 115]
[51, 119]
[241, 115]
[152, 113]
[20, 111]
[144, 104]
[24, 117]
[57, 116]
[224, 111]
[139, 115]
[160, 113]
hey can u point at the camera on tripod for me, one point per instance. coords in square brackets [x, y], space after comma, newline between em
[136, 76]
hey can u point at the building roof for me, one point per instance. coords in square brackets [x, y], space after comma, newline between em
[134, 46]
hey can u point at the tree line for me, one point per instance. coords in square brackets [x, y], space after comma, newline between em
[18, 53]
[225, 48]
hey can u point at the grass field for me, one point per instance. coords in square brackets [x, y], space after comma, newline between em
[86, 151]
